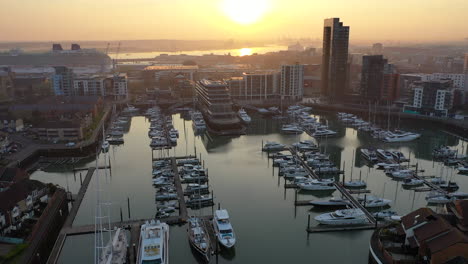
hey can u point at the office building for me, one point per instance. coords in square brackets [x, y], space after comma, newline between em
[459, 80]
[432, 97]
[62, 81]
[292, 82]
[334, 59]
[312, 79]
[117, 86]
[372, 77]
[89, 86]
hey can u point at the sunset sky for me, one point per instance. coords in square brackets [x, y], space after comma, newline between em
[370, 20]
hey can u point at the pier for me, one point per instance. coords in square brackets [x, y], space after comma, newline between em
[180, 192]
[340, 188]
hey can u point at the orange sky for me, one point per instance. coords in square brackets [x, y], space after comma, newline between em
[373, 20]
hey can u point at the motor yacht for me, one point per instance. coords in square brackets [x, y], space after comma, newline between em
[343, 217]
[273, 146]
[223, 228]
[244, 116]
[154, 243]
[370, 155]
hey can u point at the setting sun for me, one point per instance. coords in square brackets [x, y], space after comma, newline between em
[245, 11]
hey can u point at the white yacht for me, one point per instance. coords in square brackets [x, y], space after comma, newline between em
[343, 217]
[355, 184]
[412, 182]
[223, 229]
[370, 201]
[116, 250]
[384, 154]
[323, 133]
[291, 129]
[399, 156]
[244, 116]
[463, 169]
[401, 137]
[154, 243]
[305, 145]
[370, 155]
[273, 146]
[402, 174]
[316, 186]
[439, 198]
[333, 202]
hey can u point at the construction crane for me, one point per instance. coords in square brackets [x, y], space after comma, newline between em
[116, 57]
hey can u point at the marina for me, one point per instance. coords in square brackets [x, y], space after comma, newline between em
[257, 184]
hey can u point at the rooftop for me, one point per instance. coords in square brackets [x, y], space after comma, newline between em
[171, 67]
[18, 192]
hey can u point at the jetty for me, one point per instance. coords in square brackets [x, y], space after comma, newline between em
[345, 193]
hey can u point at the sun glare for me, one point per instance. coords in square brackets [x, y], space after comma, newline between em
[245, 52]
[245, 12]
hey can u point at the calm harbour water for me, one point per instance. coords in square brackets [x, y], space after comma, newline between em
[268, 226]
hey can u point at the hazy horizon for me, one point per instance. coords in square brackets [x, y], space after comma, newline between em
[415, 21]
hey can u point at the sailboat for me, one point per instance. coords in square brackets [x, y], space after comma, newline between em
[198, 238]
[197, 233]
[115, 251]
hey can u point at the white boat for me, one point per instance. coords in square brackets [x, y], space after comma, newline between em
[316, 186]
[333, 202]
[369, 154]
[291, 129]
[402, 174]
[105, 145]
[343, 217]
[273, 146]
[223, 228]
[305, 145]
[384, 154]
[116, 250]
[398, 156]
[401, 137]
[443, 152]
[198, 237]
[439, 198]
[384, 215]
[323, 133]
[463, 170]
[384, 165]
[370, 201]
[412, 182]
[355, 184]
[244, 116]
[154, 243]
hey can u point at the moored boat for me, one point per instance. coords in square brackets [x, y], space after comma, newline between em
[154, 243]
[223, 228]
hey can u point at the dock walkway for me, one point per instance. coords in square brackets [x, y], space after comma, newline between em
[180, 191]
[339, 187]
